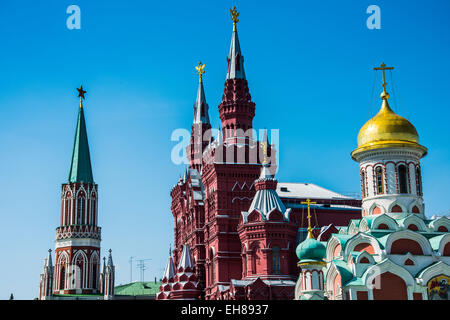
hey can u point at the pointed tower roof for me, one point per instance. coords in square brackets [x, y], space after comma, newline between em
[266, 199]
[235, 58]
[169, 272]
[110, 261]
[104, 265]
[49, 262]
[201, 107]
[80, 167]
[185, 260]
[185, 177]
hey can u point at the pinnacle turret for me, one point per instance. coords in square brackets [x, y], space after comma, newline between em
[235, 59]
[185, 260]
[201, 107]
[169, 272]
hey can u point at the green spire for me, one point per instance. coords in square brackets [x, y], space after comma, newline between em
[80, 168]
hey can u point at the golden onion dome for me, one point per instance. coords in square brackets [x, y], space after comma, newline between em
[387, 129]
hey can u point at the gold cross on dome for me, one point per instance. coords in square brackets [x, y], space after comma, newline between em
[234, 17]
[383, 67]
[200, 70]
[309, 202]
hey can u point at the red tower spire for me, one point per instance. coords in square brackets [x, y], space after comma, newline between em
[236, 111]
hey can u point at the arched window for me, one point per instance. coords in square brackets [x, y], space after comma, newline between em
[363, 183]
[276, 260]
[94, 272]
[212, 269]
[62, 278]
[402, 179]
[379, 180]
[80, 271]
[418, 181]
[80, 210]
[255, 258]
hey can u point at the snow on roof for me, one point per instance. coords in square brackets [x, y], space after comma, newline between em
[306, 190]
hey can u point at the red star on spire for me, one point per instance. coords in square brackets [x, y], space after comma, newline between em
[81, 92]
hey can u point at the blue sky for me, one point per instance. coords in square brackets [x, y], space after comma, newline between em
[309, 66]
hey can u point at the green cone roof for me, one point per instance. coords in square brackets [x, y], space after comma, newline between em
[80, 167]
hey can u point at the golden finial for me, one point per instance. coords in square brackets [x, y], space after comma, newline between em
[310, 234]
[234, 17]
[384, 94]
[81, 93]
[200, 70]
[264, 145]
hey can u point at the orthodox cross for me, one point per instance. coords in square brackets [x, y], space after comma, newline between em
[234, 17]
[309, 202]
[200, 70]
[383, 67]
[81, 93]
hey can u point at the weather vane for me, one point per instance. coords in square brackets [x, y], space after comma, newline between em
[234, 17]
[200, 70]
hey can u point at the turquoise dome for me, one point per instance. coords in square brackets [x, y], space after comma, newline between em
[311, 250]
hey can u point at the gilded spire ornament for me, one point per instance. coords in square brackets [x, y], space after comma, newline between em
[200, 70]
[81, 93]
[310, 234]
[234, 17]
[382, 67]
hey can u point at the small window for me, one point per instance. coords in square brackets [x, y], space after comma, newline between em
[363, 183]
[62, 280]
[284, 189]
[276, 260]
[418, 181]
[80, 212]
[402, 179]
[379, 180]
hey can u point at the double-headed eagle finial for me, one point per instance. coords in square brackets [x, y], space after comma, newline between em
[200, 70]
[234, 17]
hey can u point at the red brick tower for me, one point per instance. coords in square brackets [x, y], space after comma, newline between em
[77, 253]
[229, 170]
[208, 203]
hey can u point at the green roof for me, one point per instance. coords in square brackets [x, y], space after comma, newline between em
[311, 250]
[343, 238]
[344, 271]
[137, 289]
[435, 241]
[80, 167]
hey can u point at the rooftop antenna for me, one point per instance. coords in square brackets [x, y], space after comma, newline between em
[141, 265]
